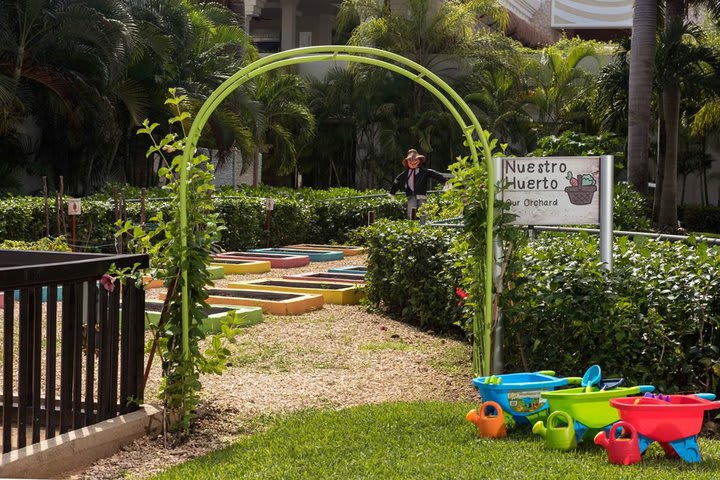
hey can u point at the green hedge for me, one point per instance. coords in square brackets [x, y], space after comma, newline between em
[697, 218]
[305, 216]
[654, 320]
[413, 273]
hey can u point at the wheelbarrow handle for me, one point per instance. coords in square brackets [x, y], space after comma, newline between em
[550, 373]
[573, 380]
[646, 388]
[706, 396]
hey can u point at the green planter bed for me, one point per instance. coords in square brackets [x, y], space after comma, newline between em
[244, 316]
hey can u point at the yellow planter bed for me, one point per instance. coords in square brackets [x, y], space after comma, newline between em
[276, 303]
[242, 266]
[340, 293]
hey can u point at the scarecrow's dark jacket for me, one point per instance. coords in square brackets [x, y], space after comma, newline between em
[421, 181]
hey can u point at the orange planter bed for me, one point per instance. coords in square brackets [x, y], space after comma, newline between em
[276, 260]
[276, 303]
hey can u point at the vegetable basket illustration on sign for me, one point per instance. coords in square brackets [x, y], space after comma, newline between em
[582, 187]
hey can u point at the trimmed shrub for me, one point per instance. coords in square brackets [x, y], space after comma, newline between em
[413, 273]
[655, 319]
[299, 217]
[631, 210]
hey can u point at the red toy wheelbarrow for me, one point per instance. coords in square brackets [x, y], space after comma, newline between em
[674, 421]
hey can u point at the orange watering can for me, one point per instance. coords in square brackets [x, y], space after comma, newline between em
[490, 425]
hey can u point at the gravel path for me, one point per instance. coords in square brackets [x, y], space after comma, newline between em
[332, 358]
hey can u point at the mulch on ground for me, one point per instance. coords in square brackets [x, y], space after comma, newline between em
[336, 357]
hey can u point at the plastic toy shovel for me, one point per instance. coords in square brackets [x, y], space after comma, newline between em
[592, 377]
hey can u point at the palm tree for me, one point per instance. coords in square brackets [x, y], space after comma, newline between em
[500, 100]
[640, 84]
[562, 87]
[194, 48]
[611, 85]
[436, 35]
[59, 61]
[427, 32]
[684, 62]
[282, 122]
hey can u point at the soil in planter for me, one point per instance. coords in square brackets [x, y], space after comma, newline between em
[255, 294]
[292, 283]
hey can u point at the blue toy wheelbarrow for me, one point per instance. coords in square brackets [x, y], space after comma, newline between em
[520, 394]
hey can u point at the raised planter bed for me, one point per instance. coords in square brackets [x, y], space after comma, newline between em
[277, 303]
[328, 277]
[315, 255]
[356, 269]
[239, 266]
[340, 293]
[243, 316]
[277, 260]
[216, 272]
[348, 250]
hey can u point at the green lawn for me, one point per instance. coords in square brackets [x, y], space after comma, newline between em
[418, 441]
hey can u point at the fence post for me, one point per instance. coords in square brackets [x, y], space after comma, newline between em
[47, 209]
[371, 217]
[61, 207]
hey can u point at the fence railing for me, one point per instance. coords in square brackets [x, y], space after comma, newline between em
[68, 359]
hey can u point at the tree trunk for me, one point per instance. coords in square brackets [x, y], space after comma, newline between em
[642, 68]
[660, 165]
[667, 216]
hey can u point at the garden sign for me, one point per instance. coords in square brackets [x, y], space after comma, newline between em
[552, 190]
[560, 191]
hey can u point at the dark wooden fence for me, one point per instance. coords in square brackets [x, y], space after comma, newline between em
[68, 359]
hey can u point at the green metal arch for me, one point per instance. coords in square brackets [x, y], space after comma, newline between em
[349, 54]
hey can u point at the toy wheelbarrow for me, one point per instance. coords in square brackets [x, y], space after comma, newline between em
[519, 394]
[674, 421]
[589, 409]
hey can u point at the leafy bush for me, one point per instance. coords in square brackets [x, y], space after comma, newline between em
[412, 273]
[697, 218]
[44, 244]
[654, 320]
[572, 143]
[631, 211]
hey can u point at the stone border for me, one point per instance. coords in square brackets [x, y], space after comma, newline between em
[75, 450]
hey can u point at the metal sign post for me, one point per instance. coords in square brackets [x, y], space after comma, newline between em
[606, 210]
[269, 207]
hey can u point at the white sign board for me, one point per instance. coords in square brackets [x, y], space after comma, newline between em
[74, 206]
[592, 14]
[269, 204]
[552, 190]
